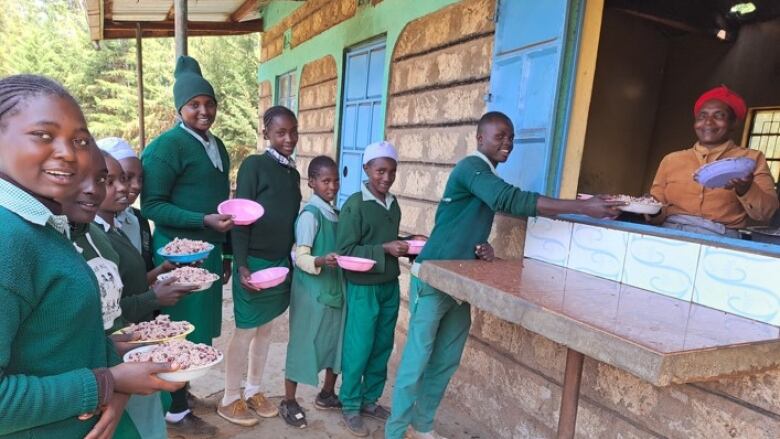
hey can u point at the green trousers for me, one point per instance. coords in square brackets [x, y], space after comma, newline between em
[372, 311]
[438, 329]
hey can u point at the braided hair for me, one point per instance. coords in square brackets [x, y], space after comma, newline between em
[273, 112]
[17, 88]
[319, 163]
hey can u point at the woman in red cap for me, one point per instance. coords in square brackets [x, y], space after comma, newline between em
[690, 206]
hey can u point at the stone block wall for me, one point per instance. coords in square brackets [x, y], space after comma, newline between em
[316, 115]
[265, 102]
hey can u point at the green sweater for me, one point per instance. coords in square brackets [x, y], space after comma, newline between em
[51, 333]
[138, 300]
[181, 185]
[465, 214]
[363, 227]
[277, 188]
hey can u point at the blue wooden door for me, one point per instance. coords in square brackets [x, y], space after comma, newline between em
[361, 114]
[525, 84]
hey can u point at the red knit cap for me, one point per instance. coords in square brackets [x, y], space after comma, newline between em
[728, 97]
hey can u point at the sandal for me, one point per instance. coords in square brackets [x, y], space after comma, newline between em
[293, 414]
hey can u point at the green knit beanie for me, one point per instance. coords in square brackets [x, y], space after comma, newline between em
[189, 82]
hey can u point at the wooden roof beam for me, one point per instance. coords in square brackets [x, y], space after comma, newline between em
[246, 8]
[213, 27]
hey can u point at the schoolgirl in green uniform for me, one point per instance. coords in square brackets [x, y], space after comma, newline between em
[186, 176]
[317, 297]
[271, 180]
[130, 221]
[439, 325]
[59, 373]
[368, 228]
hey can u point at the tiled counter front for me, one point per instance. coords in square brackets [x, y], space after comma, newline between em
[740, 282]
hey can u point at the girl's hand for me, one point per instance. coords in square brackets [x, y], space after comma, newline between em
[151, 277]
[227, 269]
[122, 342]
[330, 260]
[245, 277]
[168, 293]
[109, 418]
[220, 223]
[485, 252]
[396, 248]
[141, 378]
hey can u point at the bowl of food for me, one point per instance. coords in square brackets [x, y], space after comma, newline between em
[159, 330]
[243, 211]
[197, 277]
[194, 360]
[185, 251]
[415, 246]
[352, 263]
[641, 205]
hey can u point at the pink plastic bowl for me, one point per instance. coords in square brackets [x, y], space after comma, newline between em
[355, 264]
[415, 246]
[269, 278]
[244, 211]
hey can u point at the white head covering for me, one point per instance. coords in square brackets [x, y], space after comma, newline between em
[378, 150]
[117, 147]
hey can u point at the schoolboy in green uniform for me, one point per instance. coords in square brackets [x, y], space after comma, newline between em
[368, 228]
[439, 324]
[316, 298]
[55, 379]
[271, 180]
[186, 176]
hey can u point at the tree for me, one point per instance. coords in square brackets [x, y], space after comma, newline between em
[51, 38]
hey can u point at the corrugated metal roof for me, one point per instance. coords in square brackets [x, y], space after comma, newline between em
[158, 10]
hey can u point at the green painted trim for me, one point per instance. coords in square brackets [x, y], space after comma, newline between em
[387, 18]
[565, 95]
[275, 11]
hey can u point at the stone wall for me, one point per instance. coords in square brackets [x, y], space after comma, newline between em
[305, 23]
[265, 102]
[438, 82]
[316, 115]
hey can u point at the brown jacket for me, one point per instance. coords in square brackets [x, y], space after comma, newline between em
[681, 194]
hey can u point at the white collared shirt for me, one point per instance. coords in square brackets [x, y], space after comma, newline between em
[487, 160]
[103, 223]
[212, 149]
[368, 196]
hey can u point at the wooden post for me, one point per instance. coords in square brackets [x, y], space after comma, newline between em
[572, 376]
[139, 77]
[180, 27]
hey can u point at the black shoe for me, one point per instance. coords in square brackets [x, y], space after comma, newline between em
[192, 426]
[327, 401]
[375, 411]
[355, 425]
[293, 414]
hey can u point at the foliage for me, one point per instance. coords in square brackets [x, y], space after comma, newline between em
[51, 37]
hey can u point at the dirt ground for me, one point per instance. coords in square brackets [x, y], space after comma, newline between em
[451, 422]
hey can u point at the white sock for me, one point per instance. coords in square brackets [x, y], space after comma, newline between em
[176, 417]
[230, 399]
[251, 390]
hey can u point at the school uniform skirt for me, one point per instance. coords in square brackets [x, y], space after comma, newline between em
[315, 335]
[256, 308]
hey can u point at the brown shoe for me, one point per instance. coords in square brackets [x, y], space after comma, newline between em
[262, 406]
[238, 413]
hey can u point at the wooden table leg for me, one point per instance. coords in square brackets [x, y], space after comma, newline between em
[572, 377]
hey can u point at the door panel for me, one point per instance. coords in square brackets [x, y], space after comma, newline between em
[524, 84]
[361, 112]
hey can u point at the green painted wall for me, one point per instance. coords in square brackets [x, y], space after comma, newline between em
[275, 11]
[387, 18]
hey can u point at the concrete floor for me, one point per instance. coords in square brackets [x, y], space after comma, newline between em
[451, 422]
